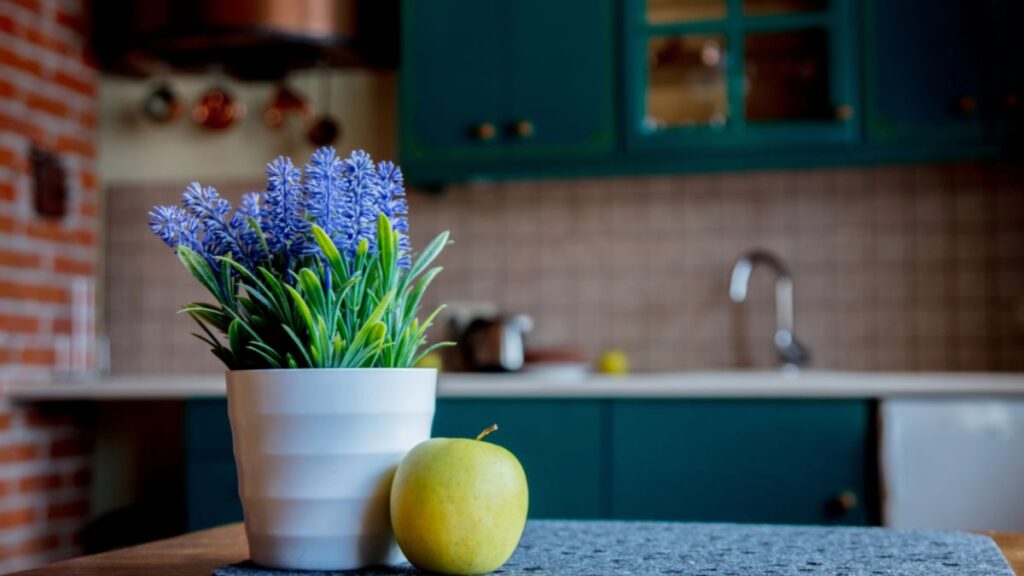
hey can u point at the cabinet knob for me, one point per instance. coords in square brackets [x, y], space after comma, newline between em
[485, 131]
[1011, 102]
[523, 129]
[966, 105]
[841, 503]
[844, 112]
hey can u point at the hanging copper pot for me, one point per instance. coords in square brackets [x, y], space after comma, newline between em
[286, 102]
[217, 109]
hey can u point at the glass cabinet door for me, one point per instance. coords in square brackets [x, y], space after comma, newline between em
[786, 76]
[712, 72]
[686, 82]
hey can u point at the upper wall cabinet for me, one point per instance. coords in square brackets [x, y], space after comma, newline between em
[492, 82]
[925, 67]
[498, 88]
[722, 73]
[1006, 44]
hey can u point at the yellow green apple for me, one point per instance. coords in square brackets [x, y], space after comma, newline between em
[458, 506]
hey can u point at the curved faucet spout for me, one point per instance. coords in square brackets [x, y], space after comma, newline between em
[791, 351]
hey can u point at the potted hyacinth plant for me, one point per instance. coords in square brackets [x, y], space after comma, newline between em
[315, 312]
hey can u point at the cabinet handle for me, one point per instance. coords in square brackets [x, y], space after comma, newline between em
[523, 129]
[844, 112]
[841, 503]
[966, 105]
[485, 131]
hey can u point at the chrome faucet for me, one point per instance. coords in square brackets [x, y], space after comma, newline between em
[790, 350]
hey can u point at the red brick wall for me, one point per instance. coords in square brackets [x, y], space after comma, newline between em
[48, 100]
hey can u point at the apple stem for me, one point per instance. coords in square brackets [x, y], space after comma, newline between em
[487, 431]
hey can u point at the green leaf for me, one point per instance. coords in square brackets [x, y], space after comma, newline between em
[259, 234]
[209, 314]
[236, 340]
[200, 269]
[363, 336]
[301, 306]
[416, 291]
[427, 256]
[226, 357]
[386, 244]
[227, 287]
[330, 251]
[299, 346]
[274, 287]
[271, 360]
[313, 291]
[266, 351]
[430, 349]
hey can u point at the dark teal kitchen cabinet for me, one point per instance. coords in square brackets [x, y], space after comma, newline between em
[450, 85]
[925, 65]
[574, 88]
[775, 461]
[780, 461]
[491, 83]
[559, 443]
[1005, 43]
[716, 78]
[210, 479]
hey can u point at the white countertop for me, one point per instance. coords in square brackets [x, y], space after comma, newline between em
[750, 384]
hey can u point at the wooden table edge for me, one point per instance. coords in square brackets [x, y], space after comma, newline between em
[198, 553]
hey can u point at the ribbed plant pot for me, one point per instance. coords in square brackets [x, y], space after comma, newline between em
[316, 450]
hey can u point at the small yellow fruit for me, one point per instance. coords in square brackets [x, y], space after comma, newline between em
[431, 360]
[613, 362]
[458, 506]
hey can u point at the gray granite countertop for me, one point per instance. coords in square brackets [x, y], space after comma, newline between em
[597, 548]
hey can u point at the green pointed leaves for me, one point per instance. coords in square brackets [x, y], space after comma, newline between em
[324, 310]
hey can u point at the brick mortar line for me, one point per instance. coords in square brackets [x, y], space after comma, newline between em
[26, 243]
[80, 69]
[45, 275]
[50, 89]
[55, 126]
[43, 22]
[48, 82]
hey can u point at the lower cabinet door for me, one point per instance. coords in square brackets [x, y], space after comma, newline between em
[211, 486]
[558, 442]
[210, 477]
[772, 461]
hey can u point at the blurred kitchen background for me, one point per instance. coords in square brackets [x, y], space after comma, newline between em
[603, 167]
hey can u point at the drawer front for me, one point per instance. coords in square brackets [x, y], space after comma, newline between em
[785, 461]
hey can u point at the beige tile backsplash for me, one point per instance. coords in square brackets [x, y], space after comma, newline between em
[895, 268]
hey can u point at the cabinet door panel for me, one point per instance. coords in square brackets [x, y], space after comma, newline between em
[740, 461]
[557, 442]
[1006, 45]
[451, 83]
[559, 76]
[211, 488]
[924, 71]
[211, 481]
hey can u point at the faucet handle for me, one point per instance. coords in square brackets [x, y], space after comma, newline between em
[790, 349]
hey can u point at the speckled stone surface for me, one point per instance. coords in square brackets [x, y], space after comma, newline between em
[653, 548]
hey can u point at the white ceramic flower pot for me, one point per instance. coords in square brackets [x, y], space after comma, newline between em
[316, 450]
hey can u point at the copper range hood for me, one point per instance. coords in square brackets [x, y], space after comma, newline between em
[250, 39]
